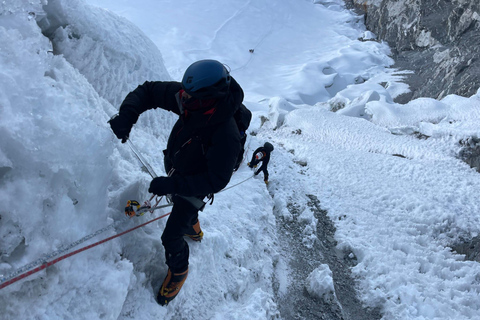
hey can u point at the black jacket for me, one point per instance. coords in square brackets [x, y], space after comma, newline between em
[202, 147]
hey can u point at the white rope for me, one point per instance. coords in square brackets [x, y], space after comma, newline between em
[142, 160]
[237, 183]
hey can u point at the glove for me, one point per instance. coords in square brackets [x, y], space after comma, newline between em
[162, 186]
[121, 126]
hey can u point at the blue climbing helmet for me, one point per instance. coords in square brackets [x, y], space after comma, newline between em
[206, 79]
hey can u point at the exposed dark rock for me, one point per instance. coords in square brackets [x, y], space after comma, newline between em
[470, 248]
[302, 259]
[4, 171]
[439, 40]
[470, 152]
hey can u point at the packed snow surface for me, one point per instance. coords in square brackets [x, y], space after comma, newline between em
[321, 92]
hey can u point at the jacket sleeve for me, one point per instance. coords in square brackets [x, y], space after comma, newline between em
[150, 95]
[221, 158]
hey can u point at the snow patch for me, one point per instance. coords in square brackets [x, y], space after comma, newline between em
[278, 109]
[425, 39]
[320, 283]
[356, 108]
[115, 56]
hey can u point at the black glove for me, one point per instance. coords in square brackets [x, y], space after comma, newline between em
[162, 186]
[121, 126]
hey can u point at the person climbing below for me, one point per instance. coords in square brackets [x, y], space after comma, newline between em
[201, 154]
[262, 154]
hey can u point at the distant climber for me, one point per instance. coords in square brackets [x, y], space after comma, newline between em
[262, 154]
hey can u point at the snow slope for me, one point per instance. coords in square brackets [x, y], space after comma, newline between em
[397, 202]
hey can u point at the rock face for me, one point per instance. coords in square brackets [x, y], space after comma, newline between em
[470, 152]
[437, 39]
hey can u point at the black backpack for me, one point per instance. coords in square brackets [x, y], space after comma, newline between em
[242, 117]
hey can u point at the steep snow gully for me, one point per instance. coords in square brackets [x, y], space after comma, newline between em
[304, 246]
[295, 262]
[358, 219]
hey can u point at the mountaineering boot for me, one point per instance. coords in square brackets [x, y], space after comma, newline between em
[171, 286]
[195, 233]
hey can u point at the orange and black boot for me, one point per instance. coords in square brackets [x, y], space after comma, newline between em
[195, 233]
[171, 286]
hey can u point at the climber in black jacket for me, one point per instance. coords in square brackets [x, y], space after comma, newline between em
[262, 155]
[201, 152]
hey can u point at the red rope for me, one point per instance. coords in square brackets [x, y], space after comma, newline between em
[51, 263]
